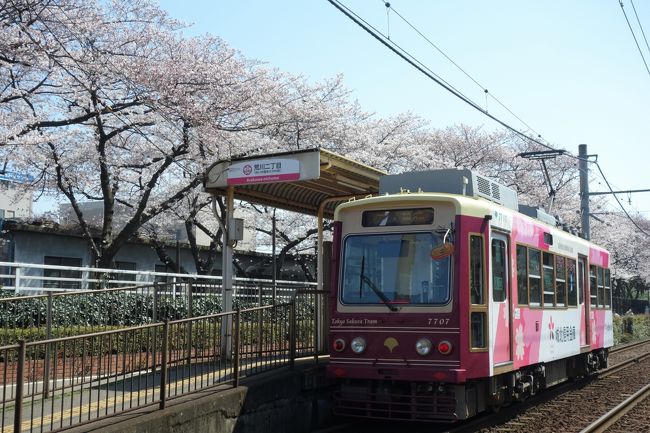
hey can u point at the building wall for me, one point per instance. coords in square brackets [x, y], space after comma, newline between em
[15, 202]
[32, 244]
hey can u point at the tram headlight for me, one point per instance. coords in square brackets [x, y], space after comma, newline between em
[358, 345]
[423, 346]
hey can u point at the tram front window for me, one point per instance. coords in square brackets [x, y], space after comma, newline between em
[394, 269]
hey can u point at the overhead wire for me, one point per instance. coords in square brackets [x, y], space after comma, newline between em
[481, 86]
[619, 202]
[634, 35]
[406, 56]
[640, 25]
[409, 58]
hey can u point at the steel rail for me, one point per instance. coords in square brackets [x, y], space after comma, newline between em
[617, 349]
[611, 417]
[621, 365]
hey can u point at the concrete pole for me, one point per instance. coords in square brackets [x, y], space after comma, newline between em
[226, 276]
[583, 165]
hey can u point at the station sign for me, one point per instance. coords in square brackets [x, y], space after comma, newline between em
[264, 170]
[287, 167]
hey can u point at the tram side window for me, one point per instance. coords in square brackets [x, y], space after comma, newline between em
[534, 276]
[498, 270]
[476, 270]
[601, 287]
[478, 307]
[478, 330]
[571, 282]
[560, 281]
[522, 275]
[608, 289]
[592, 286]
[549, 280]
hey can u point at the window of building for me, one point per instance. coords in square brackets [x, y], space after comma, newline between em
[125, 266]
[162, 268]
[53, 277]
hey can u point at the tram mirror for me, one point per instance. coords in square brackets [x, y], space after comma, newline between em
[442, 251]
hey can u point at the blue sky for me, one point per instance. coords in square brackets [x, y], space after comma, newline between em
[569, 69]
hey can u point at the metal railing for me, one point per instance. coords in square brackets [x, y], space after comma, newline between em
[61, 382]
[59, 314]
[31, 279]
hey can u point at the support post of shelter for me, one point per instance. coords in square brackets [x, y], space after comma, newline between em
[226, 274]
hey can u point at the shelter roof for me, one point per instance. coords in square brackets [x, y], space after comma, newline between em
[299, 181]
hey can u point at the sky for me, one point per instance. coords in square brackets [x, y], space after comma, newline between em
[568, 69]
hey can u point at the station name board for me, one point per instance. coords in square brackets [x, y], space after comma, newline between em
[263, 171]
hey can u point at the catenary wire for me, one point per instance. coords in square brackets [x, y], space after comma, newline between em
[482, 87]
[427, 72]
[619, 202]
[634, 36]
[406, 56]
[640, 25]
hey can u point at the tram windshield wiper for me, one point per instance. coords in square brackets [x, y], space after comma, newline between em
[364, 279]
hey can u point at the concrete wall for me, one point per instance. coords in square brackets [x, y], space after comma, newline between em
[15, 201]
[291, 401]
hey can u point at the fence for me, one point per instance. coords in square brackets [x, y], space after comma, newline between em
[66, 313]
[61, 382]
[28, 278]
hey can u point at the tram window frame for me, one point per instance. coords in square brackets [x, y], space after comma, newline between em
[522, 275]
[499, 268]
[548, 279]
[532, 277]
[560, 281]
[477, 273]
[593, 287]
[608, 289]
[601, 287]
[479, 310]
[572, 301]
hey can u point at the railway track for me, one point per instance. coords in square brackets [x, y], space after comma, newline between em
[571, 408]
[608, 420]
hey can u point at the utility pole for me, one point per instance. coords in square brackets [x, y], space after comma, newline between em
[584, 189]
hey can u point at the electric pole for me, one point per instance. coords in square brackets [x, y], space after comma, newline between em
[584, 189]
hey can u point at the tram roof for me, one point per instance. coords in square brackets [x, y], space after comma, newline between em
[300, 180]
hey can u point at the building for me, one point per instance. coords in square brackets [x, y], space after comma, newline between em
[47, 243]
[173, 231]
[15, 198]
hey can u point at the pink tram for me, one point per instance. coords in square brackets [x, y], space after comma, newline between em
[449, 299]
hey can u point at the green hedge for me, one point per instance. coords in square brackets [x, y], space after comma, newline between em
[106, 309]
[631, 328]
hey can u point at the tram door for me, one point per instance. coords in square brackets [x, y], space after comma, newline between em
[583, 295]
[500, 311]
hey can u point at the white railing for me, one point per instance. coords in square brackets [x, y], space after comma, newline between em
[29, 278]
